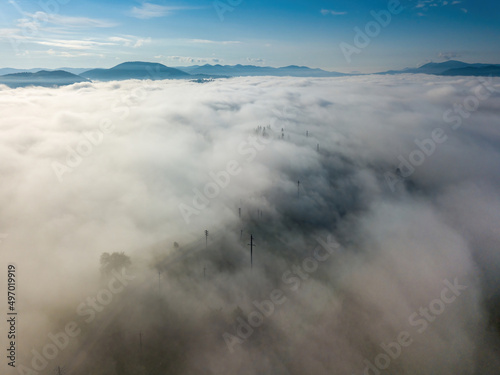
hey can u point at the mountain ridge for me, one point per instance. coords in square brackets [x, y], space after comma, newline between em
[42, 78]
[134, 70]
[8, 70]
[240, 70]
[446, 68]
[199, 73]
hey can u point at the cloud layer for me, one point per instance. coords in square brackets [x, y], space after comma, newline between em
[400, 171]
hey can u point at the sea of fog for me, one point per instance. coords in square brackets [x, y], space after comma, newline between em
[371, 203]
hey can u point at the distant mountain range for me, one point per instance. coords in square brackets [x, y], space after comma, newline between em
[488, 70]
[135, 70]
[76, 71]
[252, 70]
[155, 71]
[451, 68]
[42, 78]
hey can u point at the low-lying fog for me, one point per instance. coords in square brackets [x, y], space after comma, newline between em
[373, 203]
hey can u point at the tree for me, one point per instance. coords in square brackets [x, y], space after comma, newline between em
[114, 261]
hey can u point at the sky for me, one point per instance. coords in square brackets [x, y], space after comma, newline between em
[91, 33]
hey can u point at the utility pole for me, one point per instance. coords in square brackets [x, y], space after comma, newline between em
[298, 188]
[159, 281]
[251, 244]
[206, 239]
[239, 212]
[241, 234]
[317, 147]
[140, 347]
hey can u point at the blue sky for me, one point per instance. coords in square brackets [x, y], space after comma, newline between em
[78, 33]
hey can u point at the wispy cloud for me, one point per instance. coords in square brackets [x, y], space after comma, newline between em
[206, 41]
[8, 32]
[426, 5]
[130, 40]
[255, 60]
[332, 12]
[148, 10]
[52, 52]
[53, 30]
[189, 59]
[73, 44]
[449, 55]
[41, 18]
[88, 44]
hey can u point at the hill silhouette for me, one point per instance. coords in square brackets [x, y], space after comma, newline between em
[451, 67]
[252, 70]
[135, 70]
[41, 78]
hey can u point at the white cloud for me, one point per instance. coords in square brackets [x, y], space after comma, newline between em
[149, 10]
[425, 5]
[130, 40]
[7, 32]
[166, 137]
[67, 54]
[54, 30]
[189, 59]
[125, 41]
[42, 18]
[206, 41]
[332, 12]
[141, 41]
[73, 44]
[449, 55]
[255, 60]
